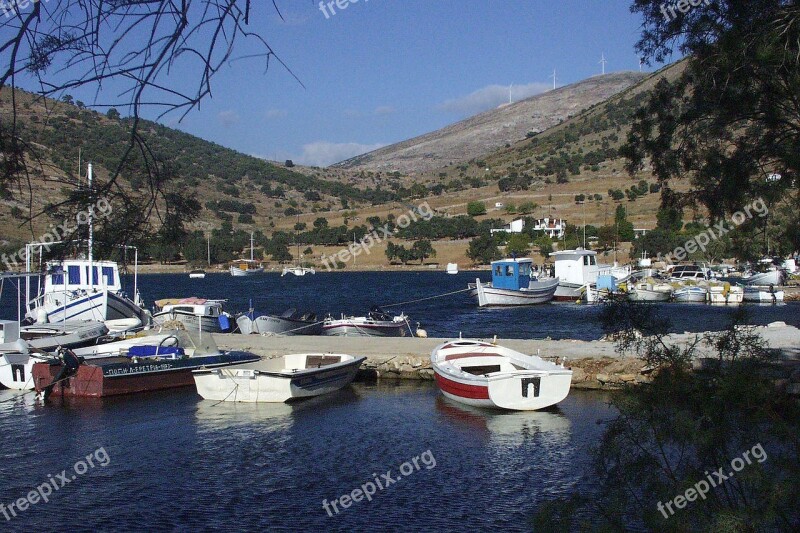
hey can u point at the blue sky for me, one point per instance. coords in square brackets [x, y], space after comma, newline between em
[381, 71]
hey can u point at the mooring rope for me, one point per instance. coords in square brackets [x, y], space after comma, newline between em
[428, 298]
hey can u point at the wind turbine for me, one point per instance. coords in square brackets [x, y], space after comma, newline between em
[510, 101]
[603, 62]
[554, 79]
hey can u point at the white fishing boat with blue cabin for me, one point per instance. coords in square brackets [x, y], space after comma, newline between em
[513, 283]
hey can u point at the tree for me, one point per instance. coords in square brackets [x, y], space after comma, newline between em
[475, 209]
[518, 245]
[280, 253]
[730, 119]
[675, 431]
[527, 208]
[422, 250]
[483, 250]
[320, 223]
[670, 214]
[545, 245]
[134, 48]
[624, 229]
[113, 114]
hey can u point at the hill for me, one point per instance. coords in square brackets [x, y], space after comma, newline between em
[484, 133]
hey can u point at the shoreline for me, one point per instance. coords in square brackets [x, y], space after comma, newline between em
[596, 365]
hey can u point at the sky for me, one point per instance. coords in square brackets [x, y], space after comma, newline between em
[382, 71]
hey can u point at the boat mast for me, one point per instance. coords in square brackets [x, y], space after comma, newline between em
[208, 243]
[91, 229]
[251, 246]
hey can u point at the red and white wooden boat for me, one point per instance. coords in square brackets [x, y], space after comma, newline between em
[486, 375]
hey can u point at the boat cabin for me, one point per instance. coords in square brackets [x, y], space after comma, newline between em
[577, 266]
[512, 274]
[74, 275]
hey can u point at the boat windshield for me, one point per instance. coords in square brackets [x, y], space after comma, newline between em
[525, 269]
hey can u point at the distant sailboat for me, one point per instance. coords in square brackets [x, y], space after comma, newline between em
[247, 267]
[298, 269]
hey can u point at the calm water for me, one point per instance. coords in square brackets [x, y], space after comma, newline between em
[354, 293]
[176, 462]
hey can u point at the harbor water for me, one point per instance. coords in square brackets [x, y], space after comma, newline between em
[172, 461]
[353, 293]
[176, 462]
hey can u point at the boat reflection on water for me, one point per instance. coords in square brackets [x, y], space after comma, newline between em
[268, 417]
[512, 428]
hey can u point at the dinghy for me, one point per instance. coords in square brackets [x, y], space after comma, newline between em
[278, 380]
[486, 375]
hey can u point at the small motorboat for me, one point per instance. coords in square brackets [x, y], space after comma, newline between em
[377, 323]
[773, 276]
[513, 284]
[725, 294]
[196, 314]
[650, 291]
[22, 347]
[763, 294]
[297, 271]
[690, 294]
[278, 380]
[156, 365]
[197, 274]
[486, 375]
[290, 322]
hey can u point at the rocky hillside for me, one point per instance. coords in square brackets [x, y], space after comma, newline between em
[482, 134]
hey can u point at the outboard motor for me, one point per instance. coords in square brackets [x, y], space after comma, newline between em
[71, 364]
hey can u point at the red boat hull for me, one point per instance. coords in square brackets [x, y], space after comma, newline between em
[89, 382]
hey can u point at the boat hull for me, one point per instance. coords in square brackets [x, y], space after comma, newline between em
[568, 292]
[353, 329]
[773, 277]
[209, 324]
[100, 306]
[243, 383]
[538, 293]
[646, 295]
[690, 295]
[16, 366]
[763, 295]
[484, 375]
[272, 325]
[120, 376]
[242, 273]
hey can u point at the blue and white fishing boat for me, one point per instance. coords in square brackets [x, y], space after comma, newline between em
[514, 283]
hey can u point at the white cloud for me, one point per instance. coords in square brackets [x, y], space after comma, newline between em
[228, 118]
[490, 97]
[324, 153]
[385, 110]
[276, 113]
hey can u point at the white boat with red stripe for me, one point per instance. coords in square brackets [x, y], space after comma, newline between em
[487, 375]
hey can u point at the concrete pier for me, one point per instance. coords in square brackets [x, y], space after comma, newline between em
[595, 364]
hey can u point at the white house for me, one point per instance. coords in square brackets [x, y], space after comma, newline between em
[516, 226]
[554, 228]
